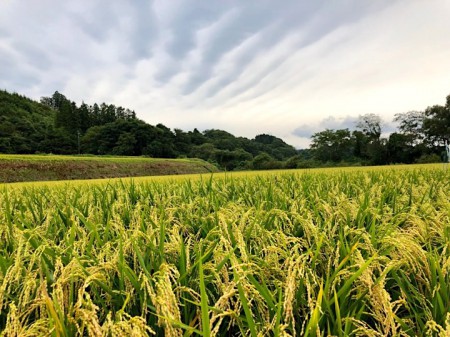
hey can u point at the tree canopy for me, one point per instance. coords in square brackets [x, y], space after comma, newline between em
[420, 138]
[58, 125]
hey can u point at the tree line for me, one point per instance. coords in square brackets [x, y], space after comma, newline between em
[58, 125]
[420, 138]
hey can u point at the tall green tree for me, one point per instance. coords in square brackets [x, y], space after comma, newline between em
[370, 125]
[411, 126]
[333, 145]
[436, 124]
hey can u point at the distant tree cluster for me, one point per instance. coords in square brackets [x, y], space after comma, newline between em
[420, 138]
[57, 125]
[73, 118]
[135, 138]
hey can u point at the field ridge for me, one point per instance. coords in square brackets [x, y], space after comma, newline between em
[25, 168]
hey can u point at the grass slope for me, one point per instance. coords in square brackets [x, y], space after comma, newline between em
[21, 168]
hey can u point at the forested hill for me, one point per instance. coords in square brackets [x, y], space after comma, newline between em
[57, 125]
[26, 126]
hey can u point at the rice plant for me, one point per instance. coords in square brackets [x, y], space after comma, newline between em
[360, 252]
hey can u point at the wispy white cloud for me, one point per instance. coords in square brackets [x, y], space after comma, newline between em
[247, 67]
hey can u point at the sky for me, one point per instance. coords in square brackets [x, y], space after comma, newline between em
[287, 68]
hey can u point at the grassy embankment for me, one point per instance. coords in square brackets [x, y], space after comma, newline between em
[21, 168]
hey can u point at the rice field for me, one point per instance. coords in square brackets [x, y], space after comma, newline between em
[348, 252]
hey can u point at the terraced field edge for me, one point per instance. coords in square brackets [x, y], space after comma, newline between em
[23, 168]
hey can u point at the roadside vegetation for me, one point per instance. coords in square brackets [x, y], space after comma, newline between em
[333, 252]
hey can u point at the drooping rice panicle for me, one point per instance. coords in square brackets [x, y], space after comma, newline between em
[332, 252]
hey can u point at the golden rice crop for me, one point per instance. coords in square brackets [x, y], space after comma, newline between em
[361, 252]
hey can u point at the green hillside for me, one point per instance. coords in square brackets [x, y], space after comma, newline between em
[58, 125]
[26, 126]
